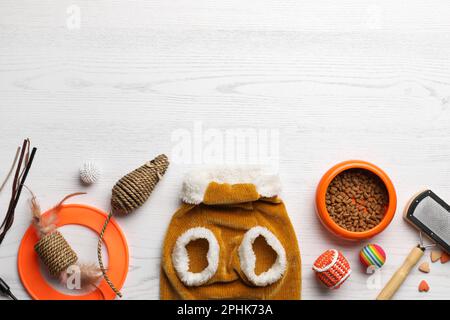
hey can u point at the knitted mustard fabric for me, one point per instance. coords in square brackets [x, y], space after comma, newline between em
[211, 244]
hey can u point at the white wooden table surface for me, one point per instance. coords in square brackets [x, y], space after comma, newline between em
[116, 81]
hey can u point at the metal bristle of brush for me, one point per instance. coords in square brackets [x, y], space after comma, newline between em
[128, 194]
[431, 216]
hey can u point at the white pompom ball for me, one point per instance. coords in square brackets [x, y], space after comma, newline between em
[89, 172]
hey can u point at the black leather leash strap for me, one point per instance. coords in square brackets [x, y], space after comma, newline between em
[20, 177]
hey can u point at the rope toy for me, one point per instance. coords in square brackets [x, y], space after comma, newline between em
[128, 194]
[53, 249]
[332, 269]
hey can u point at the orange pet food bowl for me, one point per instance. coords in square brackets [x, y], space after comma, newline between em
[115, 242]
[321, 207]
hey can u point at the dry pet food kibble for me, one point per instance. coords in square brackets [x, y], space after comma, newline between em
[357, 200]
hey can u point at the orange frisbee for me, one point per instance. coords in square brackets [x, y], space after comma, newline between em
[115, 243]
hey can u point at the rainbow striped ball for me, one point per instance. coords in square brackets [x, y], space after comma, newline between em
[372, 255]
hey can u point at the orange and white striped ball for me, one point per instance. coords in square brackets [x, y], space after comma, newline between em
[332, 268]
[372, 255]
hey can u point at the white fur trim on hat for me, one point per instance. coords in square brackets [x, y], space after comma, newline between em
[247, 257]
[180, 257]
[196, 182]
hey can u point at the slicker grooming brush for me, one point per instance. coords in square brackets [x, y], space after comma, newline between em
[431, 216]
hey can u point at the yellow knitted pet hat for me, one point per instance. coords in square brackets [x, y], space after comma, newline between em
[230, 239]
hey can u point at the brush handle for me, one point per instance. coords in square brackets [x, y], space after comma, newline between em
[400, 275]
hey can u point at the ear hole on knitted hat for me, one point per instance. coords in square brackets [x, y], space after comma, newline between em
[197, 252]
[181, 259]
[247, 257]
[265, 255]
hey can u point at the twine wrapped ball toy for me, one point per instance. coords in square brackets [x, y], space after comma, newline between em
[332, 269]
[55, 253]
[128, 194]
[89, 172]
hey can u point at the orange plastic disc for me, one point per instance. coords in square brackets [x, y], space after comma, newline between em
[115, 243]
